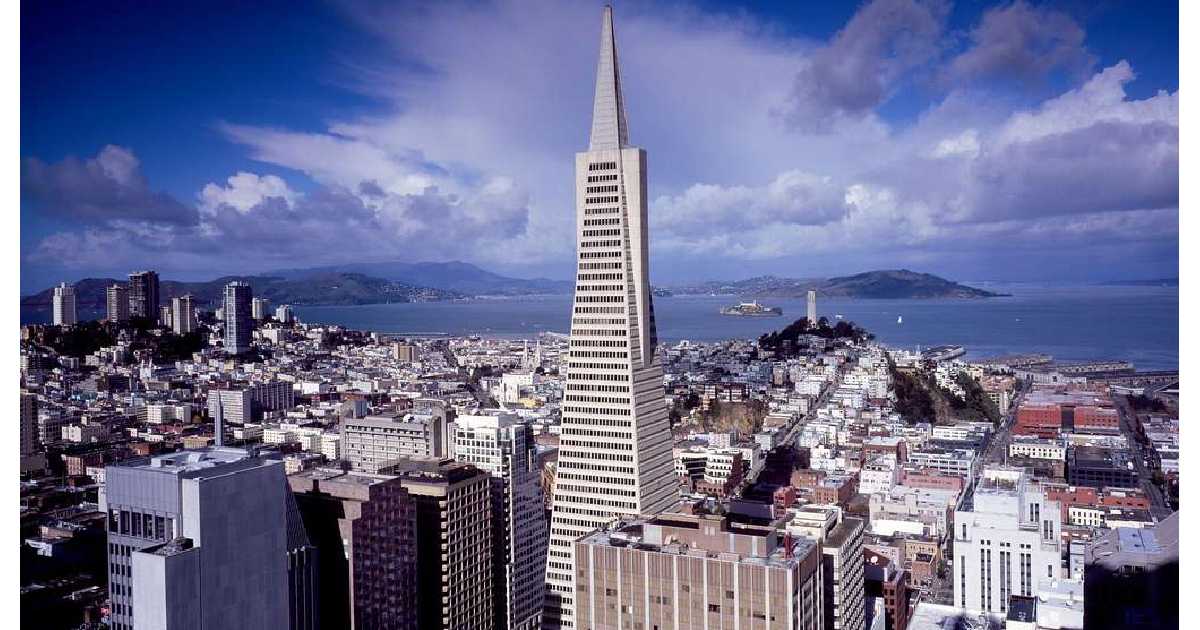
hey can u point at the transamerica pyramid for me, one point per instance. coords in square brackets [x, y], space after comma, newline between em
[615, 447]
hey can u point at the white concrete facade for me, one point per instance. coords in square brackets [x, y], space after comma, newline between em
[615, 449]
[1006, 544]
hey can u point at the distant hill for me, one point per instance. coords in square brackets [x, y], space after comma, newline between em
[312, 289]
[1159, 282]
[884, 284]
[455, 276]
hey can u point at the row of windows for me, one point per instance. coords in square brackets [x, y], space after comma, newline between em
[595, 200]
[600, 276]
[585, 376]
[598, 514]
[599, 298]
[595, 478]
[587, 212]
[596, 411]
[604, 422]
[583, 255]
[602, 189]
[601, 265]
[600, 287]
[597, 366]
[602, 166]
[628, 505]
[604, 232]
[610, 491]
[603, 446]
[582, 387]
[604, 400]
[605, 243]
[598, 343]
[602, 178]
[592, 310]
[601, 222]
[599, 321]
[598, 354]
[599, 332]
[600, 433]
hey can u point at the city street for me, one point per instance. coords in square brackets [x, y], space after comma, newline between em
[1140, 452]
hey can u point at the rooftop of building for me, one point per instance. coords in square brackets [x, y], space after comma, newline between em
[679, 533]
[193, 462]
[1098, 457]
[927, 616]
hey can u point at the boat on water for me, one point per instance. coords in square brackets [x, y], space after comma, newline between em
[899, 319]
[752, 309]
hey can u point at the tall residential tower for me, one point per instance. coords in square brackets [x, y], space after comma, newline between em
[64, 305]
[615, 454]
[143, 294]
[237, 317]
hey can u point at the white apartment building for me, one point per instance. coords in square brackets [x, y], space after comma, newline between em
[183, 314]
[615, 448]
[1006, 544]
[64, 305]
[165, 413]
[374, 441]
[1034, 448]
[878, 475]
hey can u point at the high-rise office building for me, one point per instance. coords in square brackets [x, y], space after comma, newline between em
[364, 528]
[686, 570]
[1008, 542]
[284, 314]
[501, 445]
[166, 317]
[117, 299]
[29, 421]
[841, 541]
[143, 294]
[198, 539]
[615, 456]
[1131, 577]
[260, 308]
[454, 542]
[183, 314]
[64, 305]
[32, 457]
[237, 317]
[812, 307]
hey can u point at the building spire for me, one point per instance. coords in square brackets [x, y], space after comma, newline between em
[609, 130]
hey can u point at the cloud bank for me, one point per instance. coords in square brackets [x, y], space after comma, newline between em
[766, 151]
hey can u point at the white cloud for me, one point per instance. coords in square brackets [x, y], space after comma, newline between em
[965, 144]
[244, 191]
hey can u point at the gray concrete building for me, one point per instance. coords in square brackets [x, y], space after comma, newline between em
[199, 539]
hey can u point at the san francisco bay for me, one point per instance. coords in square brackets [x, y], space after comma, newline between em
[1080, 322]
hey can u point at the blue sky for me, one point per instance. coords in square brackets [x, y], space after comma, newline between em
[999, 141]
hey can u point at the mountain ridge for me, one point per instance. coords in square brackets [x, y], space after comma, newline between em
[317, 289]
[879, 284]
